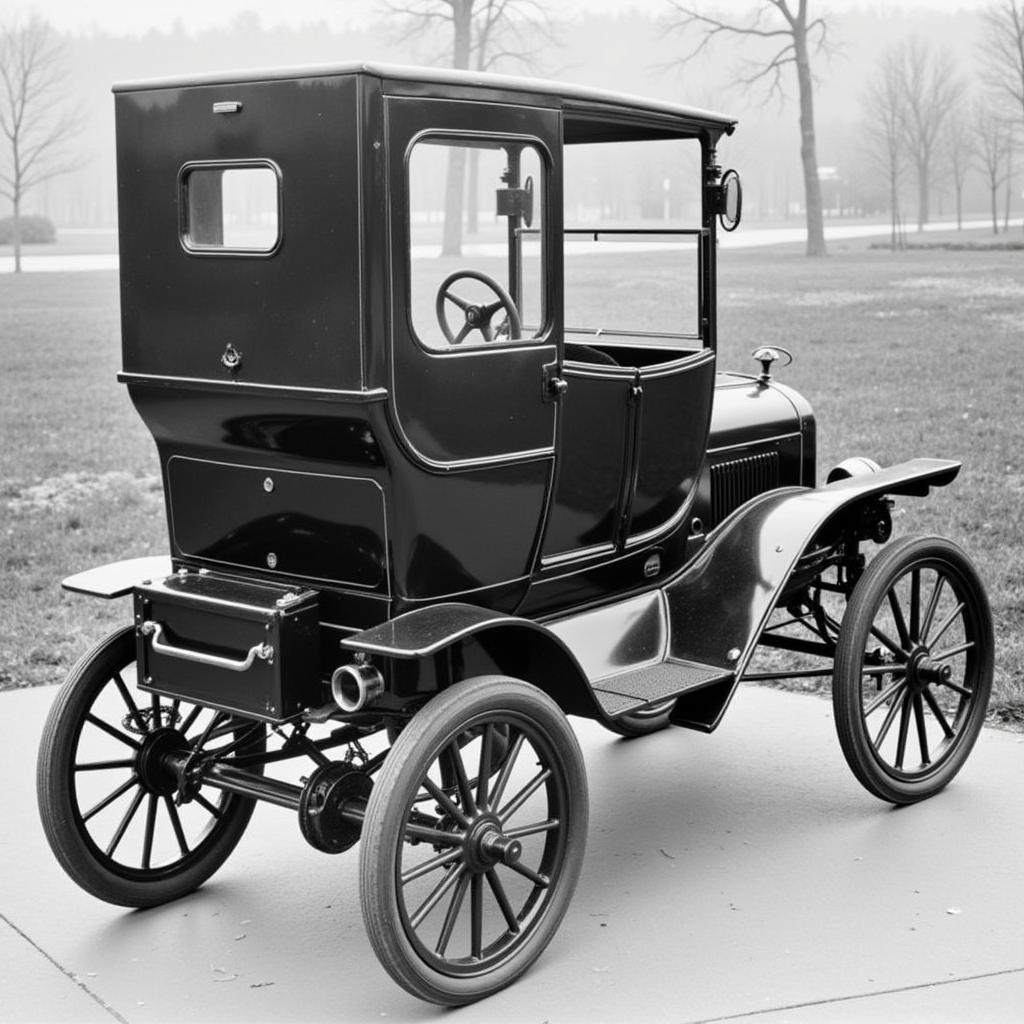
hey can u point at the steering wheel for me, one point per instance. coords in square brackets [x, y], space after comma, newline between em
[477, 316]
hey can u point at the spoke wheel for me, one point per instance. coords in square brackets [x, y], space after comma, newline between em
[468, 859]
[913, 669]
[107, 792]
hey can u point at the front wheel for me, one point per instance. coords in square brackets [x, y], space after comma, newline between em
[468, 860]
[913, 669]
[106, 791]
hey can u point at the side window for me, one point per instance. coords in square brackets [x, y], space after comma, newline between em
[230, 208]
[632, 218]
[476, 254]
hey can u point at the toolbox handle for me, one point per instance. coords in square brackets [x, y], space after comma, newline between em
[154, 630]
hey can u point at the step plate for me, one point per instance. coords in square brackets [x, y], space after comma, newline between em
[619, 695]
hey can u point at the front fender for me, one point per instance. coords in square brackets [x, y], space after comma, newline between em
[719, 604]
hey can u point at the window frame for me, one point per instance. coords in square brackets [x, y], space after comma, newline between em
[496, 140]
[248, 252]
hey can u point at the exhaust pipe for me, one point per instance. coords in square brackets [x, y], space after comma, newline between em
[354, 686]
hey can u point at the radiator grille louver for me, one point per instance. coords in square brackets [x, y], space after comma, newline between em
[739, 480]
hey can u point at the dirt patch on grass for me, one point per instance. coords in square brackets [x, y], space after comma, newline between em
[69, 491]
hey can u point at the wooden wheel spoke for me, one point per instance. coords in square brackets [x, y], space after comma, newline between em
[476, 917]
[190, 719]
[438, 893]
[467, 329]
[133, 708]
[883, 696]
[452, 915]
[901, 742]
[938, 713]
[899, 619]
[111, 731]
[889, 718]
[879, 635]
[463, 304]
[933, 607]
[99, 766]
[453, 755]
[502, 900]
[946, 623]
[534, 876]
[448, 806]
[111, 797]
[431, 835]
[440, 861]
[147, 839]
[532, 830]
[957, 687]
[207, 806]
[484, 773]
[125, 822]
[922, 729]
[506, 770]
[179, 833]
[915, 606]
[952, 652]
[524, 794]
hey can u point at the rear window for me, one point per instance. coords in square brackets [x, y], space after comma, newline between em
[231, 208]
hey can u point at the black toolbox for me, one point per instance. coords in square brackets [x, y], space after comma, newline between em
[236, 645]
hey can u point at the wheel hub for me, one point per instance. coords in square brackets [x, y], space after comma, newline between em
[322, 801]
[485, 845]
[922, 672]
[158, 759]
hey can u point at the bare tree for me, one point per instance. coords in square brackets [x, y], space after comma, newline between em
[484, 33]
[958, 152]
[794, 35]
[931, 88]
[994, 140]
[1003, 49]
[34, 129]
[884, 113]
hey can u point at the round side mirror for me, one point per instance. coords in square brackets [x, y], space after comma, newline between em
[730, 207]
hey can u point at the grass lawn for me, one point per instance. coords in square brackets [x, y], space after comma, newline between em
[913, 354]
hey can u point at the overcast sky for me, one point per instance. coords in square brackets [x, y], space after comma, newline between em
[134, 16]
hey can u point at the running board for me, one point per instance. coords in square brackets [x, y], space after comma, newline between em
[642, 688]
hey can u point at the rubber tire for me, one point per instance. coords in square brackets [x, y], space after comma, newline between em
[632, 725]
[894, 561]
[83, 861]
[411, 756]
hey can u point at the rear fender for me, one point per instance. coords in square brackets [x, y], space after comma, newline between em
[518, 647]
[118, 578]
[720, 603]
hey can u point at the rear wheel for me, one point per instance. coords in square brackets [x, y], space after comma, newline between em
[468, 861]
[106, 791]
[913, 669]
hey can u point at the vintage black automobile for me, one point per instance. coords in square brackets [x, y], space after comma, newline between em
[421, 508]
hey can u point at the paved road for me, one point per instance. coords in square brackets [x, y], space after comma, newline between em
[743, 875]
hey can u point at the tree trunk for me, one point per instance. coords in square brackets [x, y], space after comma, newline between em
[922, 194]
[995, 212]
[808, 149]
[959, 207]
[16, 229]
[455, 190]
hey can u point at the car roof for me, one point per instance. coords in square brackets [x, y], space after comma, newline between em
[587, 109]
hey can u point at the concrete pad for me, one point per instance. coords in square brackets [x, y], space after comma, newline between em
[740, 874]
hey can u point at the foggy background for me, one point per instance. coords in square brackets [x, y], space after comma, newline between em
[622, 46]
